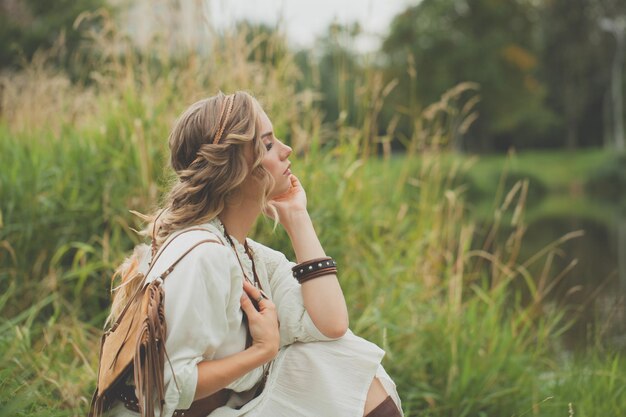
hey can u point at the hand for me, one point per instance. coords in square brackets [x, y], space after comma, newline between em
[292, 201]
[263, 324]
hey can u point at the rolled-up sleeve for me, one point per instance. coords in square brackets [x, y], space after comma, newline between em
[199, 288]
[295, 323]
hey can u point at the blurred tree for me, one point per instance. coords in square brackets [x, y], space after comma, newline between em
[491, 42]
[616, 26]
[350, 83]
[266, 44]
[29, 25]
[338, 71]
[576, 57]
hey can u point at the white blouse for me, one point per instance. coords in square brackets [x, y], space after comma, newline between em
[205, 321]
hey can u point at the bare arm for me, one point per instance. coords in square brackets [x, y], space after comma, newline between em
[323, 297]
[216, 374]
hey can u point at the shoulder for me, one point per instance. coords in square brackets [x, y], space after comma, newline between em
[207, 249]
[191, 249]
[263, 251]
[196, 241]
[202, 265]
[272, 258]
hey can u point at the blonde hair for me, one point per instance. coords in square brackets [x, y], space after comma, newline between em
[208, 174]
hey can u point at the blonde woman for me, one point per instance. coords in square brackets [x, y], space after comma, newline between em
[259, 334]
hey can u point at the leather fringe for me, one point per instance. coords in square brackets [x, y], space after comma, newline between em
[97, 405]
[149, 358]
[98, 402]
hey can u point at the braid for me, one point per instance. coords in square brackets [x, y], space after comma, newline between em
[208, 157]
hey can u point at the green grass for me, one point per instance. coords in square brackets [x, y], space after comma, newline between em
[459, 339]
[557, 181]
[558, 170]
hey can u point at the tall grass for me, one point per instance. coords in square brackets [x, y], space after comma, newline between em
[460, 340]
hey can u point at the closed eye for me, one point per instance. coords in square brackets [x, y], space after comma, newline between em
[269, 137]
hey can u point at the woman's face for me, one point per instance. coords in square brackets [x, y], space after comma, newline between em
[275, 160]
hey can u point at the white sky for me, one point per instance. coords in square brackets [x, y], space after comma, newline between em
[304, 20]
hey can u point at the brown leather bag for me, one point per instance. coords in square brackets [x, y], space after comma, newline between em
[135, 345]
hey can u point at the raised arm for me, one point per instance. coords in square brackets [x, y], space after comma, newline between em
[323, 297]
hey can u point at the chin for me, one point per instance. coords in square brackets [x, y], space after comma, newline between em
[280, 189]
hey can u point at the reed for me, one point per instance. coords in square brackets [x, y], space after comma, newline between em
[460, 339]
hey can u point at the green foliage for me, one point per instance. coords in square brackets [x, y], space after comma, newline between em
[491, 43]
[334, 70]
[458, 337]
[588, 386]
[557, 170]
[31, 25]
[576, 59]
[45, 365]
[264, 44]
[609, 180]
[339, 73]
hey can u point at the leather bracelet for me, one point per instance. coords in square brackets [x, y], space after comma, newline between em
[304, 270]
[319, 273]
[312, 265]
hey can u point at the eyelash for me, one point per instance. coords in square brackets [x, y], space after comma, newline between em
[269, 145]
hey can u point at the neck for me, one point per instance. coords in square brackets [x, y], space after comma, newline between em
[239, 218]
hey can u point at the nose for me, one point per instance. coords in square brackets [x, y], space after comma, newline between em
[286, 151]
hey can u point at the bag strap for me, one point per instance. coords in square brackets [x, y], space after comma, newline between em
[167, 271]
[158, 254]
[171, 268]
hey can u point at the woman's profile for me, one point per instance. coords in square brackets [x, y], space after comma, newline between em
[269, 337]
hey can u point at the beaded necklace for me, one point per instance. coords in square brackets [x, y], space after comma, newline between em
[256, 282]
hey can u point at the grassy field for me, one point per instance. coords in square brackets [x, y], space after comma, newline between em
[75, 159]
[556, 169]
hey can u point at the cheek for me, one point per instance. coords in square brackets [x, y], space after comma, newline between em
[270, 165]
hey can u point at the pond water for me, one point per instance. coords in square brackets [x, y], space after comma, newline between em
[593, 292]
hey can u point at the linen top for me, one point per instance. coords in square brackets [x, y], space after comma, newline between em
[205, 321]
[204, 285]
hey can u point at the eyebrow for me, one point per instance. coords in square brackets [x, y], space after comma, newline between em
[270, 133]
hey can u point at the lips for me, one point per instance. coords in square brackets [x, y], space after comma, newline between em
[287, 171]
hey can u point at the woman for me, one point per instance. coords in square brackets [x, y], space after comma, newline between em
[269, 336]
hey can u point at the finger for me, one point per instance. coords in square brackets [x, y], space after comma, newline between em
[251, 290]
[256, 295]
[287, 195]
[254, 292]
[247, 306]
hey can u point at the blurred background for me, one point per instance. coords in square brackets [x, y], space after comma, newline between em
[477, 146]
